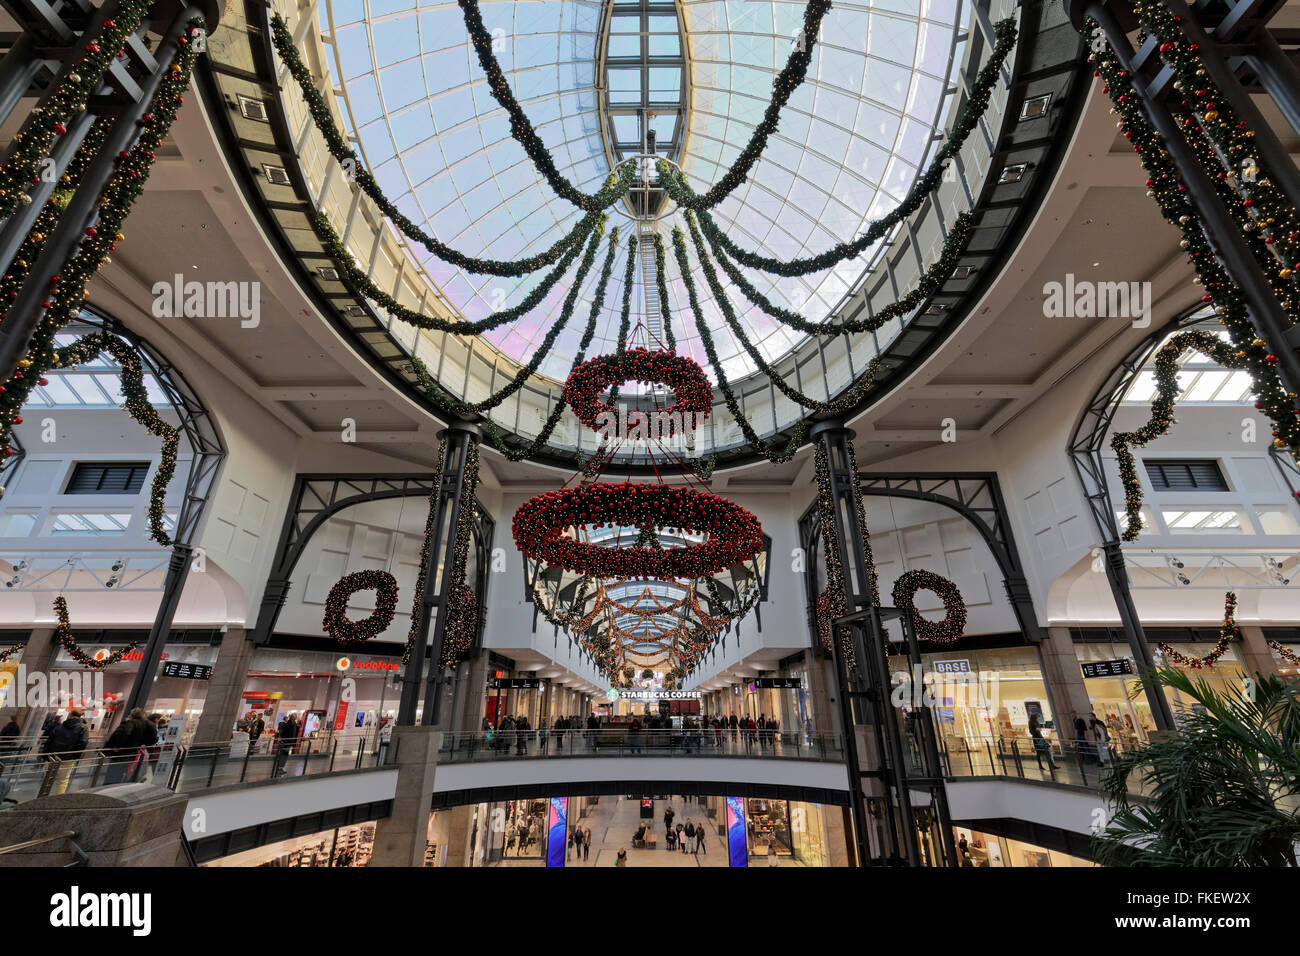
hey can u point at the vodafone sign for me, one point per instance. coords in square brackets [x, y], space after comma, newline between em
[346, 663]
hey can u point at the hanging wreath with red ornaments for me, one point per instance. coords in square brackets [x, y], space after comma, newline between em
[540, 523]
[953, 624]
[1227, 631]
[681, 374]
[336, 623]
[1283, 652]
[69, 643]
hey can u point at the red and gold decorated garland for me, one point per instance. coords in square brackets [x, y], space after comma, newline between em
[1283, 651]
[64, 635]
[10, 651]
[683, 376]
[1227, 631]
[336, 623]
[540, 523]
[953, 625]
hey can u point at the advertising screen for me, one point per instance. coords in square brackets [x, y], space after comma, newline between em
[557, 831]
[737, 852]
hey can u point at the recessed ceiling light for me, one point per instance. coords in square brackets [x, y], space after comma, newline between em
[275, 175]
[1012, 174]
[963, 272]
[328, 272]
[1035, 107]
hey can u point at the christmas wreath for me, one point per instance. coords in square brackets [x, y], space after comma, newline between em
[540, 524]
[681, 374]
[1227, 631]
[69, 643]
[336, 623]
[936, 632]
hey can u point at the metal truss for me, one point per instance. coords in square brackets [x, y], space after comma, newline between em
[317, 498]
[1217, 571]
[70, 573]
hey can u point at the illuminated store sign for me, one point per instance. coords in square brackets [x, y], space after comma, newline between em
[614, 694]
[346, 663]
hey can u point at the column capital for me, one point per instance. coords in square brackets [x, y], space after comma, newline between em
[830, 427]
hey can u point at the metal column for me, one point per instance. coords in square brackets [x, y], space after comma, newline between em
[178, 569]
[440, 546]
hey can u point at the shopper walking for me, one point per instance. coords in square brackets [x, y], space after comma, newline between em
[1041, 746]
[1080, 734]
[124, 744]
[586, 844]
[699, 841]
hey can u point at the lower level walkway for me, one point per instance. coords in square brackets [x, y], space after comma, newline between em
[615, 819]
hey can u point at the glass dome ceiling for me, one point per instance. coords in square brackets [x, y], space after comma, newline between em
[850, 143]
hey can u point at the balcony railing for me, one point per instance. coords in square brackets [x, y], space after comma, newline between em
[619, 742]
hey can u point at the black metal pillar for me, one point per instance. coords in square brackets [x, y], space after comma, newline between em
[1117, 575]
[1281, 167]
[1226, 239]
[178, 569]
[1277, 74]
[18, 225]
[439, 549]
[870, 683]
[24, 312]
[17, 70]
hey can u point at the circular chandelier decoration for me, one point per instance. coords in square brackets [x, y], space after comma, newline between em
[683, 376]
[953, 624]
[539, 525]
[336, 623]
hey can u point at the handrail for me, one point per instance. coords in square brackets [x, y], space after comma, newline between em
[65, 835]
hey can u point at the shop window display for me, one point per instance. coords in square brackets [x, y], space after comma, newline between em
[982, 695]
[345, 846]
[978, 849]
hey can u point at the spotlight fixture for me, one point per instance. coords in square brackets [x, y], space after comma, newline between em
[1012, 174]
[252, 109]
[329, 273]
[1035, 107]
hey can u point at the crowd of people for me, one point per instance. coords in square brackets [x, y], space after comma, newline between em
[131, 750]
[686, 836]
[517, 735]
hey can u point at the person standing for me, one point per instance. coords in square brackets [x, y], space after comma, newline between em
[681, 836]
[385, 736]
[699, 840]
[733, 723]
[634, 735]
[668, 818]
[286, 738]
[586, 844]
[9, 737]
[1080, 734]
[1101, 738]
[621, 860]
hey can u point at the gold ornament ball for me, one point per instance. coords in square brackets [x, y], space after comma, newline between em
[1211, 116]
[1285, 273]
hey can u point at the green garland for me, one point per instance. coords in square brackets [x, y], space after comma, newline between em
[362, 284]
[68, 289]
[1283, 651]
[1272, 212]
[1228, 630]
[32, 143]
[800, 430]
[845, 401]
[48, 218]
[980, 92]
[1162, 411]
[63, 634]
[1170, 195]
[931, 281]
[520, 127]
[661, 281]
[625, 317]
[449, 403]
[461, 625]
[784, 84]
[337, 144]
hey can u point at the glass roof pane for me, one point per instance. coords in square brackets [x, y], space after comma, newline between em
[850, 141]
